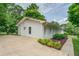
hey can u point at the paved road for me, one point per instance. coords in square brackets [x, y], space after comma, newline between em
[25, 46]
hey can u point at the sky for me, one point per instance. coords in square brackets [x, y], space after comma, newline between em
[52, 11]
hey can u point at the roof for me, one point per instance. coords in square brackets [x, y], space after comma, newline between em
[29, 18]
[45, 23]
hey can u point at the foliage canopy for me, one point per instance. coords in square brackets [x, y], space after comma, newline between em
[32, 11]
[73, 14]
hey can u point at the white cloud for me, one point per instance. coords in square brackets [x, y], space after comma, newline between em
[46, 8]
[63, 21]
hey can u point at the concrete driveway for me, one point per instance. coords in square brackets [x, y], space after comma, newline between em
[25, 46]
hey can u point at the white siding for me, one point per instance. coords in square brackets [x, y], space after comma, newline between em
[37, 29]
[48, 33]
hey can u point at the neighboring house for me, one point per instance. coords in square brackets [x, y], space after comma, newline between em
[34, 28]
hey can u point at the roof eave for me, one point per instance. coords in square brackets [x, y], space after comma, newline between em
[28, 18]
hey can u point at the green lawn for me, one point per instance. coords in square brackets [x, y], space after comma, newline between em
[4, 33]
[76, 46]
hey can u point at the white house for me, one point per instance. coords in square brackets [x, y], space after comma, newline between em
[34, 28]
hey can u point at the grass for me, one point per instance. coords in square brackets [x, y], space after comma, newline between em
[76, 45]
[4, 33]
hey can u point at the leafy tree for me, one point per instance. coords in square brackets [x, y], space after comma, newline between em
[32, 11]
[14, 13]
[70, 29]
[3, 8]
[56, 25]
[73, 14]
[9, 15]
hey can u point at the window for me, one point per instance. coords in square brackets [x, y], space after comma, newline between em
[24, 28]
[29, 30]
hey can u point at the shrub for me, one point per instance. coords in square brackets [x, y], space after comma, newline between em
[59, 36]
[50, 44]
[65, 33]
[39, 40]
[43, 41]
[46, 40]
[57, 45]
[78, 35]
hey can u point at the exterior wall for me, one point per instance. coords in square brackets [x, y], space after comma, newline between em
[48, 33]
[19, 30]
[36, 29]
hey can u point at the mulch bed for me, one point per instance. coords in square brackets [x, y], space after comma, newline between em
[62, 41]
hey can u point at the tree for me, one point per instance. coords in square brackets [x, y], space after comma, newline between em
[3, 8]
[32, 11]
[70, 29]
[9, 15]
[56, 25]
[73, 14]
[13, 14]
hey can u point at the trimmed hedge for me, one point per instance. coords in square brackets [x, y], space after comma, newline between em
[59, 36]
